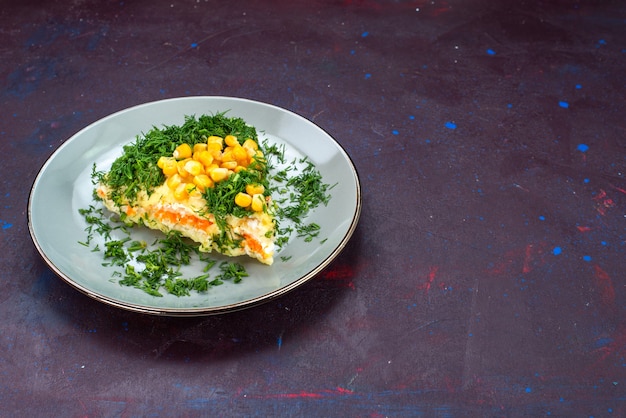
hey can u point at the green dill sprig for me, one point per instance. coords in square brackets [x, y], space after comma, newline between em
[158, 265]
[232, 271]
[300, 193]
[308, 232]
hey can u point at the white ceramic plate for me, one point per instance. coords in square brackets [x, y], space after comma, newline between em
[63, 186]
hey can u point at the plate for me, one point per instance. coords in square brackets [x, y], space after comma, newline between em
[63, 186]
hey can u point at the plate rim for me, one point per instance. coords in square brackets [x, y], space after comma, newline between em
[194, 311]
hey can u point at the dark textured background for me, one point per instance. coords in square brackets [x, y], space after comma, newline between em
[486, 277]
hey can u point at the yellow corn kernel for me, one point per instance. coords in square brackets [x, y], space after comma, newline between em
[194, 167]
[217, 155]
[180, 166]
[203, 182]
[250, 143]
[215, 141]
[218, 174]
[231, 165]
[195, 193]
[231, 140]
[168, 165]
[241, 155]
[205, 157]
[161, 162]
[182, 151]
[227, 155]
[173, 181]
[254, 188]
[214, 146]
[243, 200]
[258, 203]
[181, 191]
[239, 168]
[251, 152]
[199, 147]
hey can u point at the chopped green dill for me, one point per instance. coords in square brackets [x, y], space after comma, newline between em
[274, 150]
[182, 287]
[309, 192]
[208, 261]
[137, 246]
[282, 175]
[232, 271]
[160, 263]
[308, 231]
[114, 250]
[285, 258]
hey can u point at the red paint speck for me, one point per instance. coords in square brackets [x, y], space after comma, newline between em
[341, 274]
[432, 273]
[528, 253]
[604, 285]
[619, 189]
[604, 202]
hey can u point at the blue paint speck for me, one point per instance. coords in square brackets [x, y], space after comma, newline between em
[6, 225]
[364, 34]
[368, 76]
[542, 218]
[603, 342]
[586, 181]
[582, 147]
[563, 104]
[411, 117]
[194, 45]
[395, 132]
[491, 52]
[509, 105]
[528, 390]
[604, 243]
[587, 258]
[557, 250]
[579, 86]
[602, 42]
[450, 125]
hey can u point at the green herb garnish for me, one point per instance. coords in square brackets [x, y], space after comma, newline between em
[232, 271]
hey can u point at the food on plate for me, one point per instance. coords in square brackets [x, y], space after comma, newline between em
[206, 179]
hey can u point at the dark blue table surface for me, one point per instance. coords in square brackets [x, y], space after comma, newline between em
[486, 276]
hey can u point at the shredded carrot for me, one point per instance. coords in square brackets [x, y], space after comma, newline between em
[186, 220]
[253, 244]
